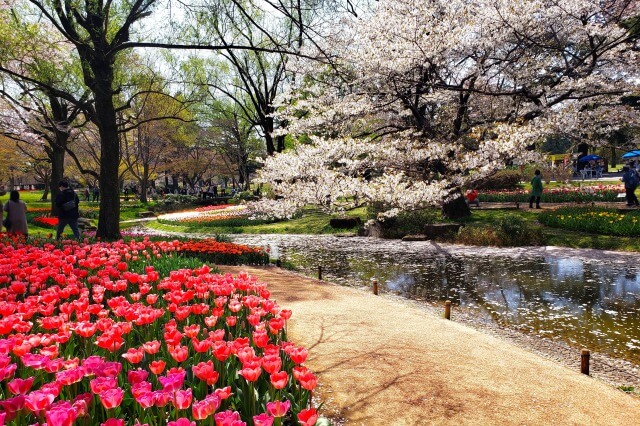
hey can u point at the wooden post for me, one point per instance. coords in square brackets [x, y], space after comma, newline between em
[320, 272]
[584, 361]
[447, 309]
[375, 286]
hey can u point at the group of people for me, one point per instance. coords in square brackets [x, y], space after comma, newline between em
[67, 205]
[88, 192]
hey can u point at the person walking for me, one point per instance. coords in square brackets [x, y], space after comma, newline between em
[536, 190]
[16, 214]
[67, 203]
[631, 181]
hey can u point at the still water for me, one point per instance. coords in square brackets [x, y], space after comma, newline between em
[586, 298]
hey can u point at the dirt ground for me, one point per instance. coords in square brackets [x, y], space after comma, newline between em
[383, 362]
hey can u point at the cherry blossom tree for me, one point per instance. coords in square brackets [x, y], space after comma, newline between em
[426, 98]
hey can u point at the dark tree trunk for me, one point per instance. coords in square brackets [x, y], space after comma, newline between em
[268, 130]
[456, 208]
[109, 216]
[280, 143]
[45, 194]
[144, 183]
[56, 155]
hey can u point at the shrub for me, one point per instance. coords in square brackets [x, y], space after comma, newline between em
[504, 179]
[407, 223]
[511, 230]
[242, 197]
[179, 199]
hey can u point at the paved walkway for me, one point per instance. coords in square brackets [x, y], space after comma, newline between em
[386, 362]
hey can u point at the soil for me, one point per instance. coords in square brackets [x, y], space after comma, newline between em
[385, 361]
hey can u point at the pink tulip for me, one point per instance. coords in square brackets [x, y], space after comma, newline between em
[263, 420]
[182, 422]
[182, 399]
[278, 408]
[111, 398]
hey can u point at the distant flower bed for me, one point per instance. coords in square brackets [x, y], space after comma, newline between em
[46, 222]
[593, 220]
[603, 193]
[94, 334]
[39, 209]
[211, 208]
[221, 252]
[205, 214]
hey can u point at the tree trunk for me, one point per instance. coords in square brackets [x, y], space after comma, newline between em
[57, 173]
[144, 183]
[47, 185]
[109, 216]
[456, 208]
[268, 129]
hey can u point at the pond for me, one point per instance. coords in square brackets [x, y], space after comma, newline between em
[586, 298]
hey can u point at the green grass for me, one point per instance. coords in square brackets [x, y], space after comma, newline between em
[311, 222]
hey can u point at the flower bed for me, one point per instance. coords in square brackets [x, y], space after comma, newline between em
[92, 334]
[593, 220]
[46, 222]
[206, 213]
[602, 193]
[210, 250]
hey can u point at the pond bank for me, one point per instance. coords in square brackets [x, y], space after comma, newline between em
[385, 361]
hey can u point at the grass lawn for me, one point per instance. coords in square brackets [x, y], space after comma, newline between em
[311, 222]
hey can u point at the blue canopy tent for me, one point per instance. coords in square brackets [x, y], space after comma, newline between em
[631, 154]
[591, 157]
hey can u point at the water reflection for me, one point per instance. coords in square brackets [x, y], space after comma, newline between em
[590, 303]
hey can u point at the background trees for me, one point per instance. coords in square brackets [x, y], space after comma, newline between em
[425, 98]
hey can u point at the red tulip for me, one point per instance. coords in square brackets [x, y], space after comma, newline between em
[279, 380]
[157, 367]
[134, 356]
[308, 417]
[271, 363]
[251, 372]
[179, 353]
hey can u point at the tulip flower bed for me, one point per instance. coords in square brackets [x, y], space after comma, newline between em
[212, 251]
[585, 194]
[593, 220]
[87, 340]
[229, 217]
[46, 222]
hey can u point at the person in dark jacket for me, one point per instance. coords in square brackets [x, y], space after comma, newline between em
[67, 203]
[536, 190]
